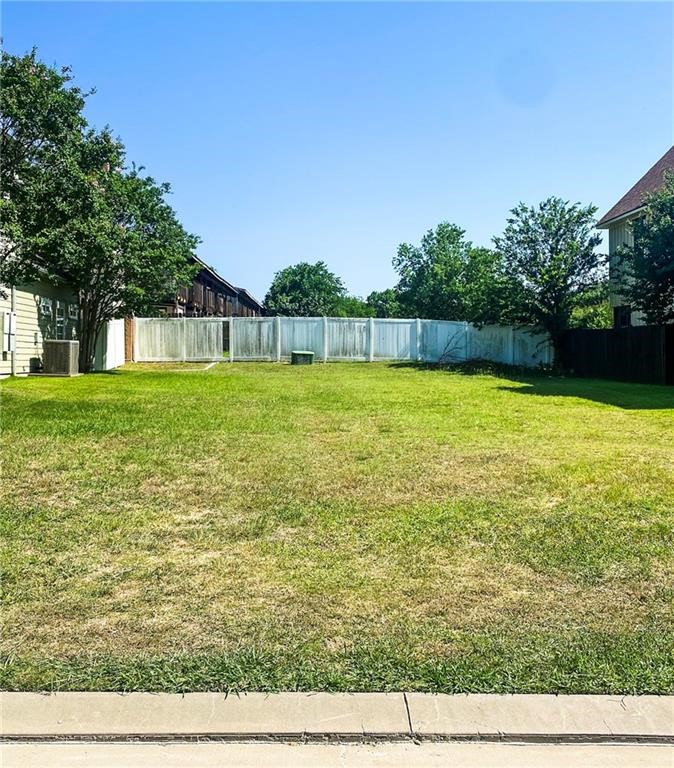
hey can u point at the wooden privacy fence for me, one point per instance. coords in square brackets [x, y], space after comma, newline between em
[334, 338]
[642, 353]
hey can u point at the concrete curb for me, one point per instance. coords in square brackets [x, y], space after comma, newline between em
[82, 754]
[336, 717]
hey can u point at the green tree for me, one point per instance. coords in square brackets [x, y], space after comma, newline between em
[305, 290]
[549, 253]
[353, 306]
[648, 265]
[385, 303]
[447, 278]
[40, 117]
[593, 309]
[74, 214]
[113, 237]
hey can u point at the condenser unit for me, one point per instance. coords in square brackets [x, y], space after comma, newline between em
[60, 358]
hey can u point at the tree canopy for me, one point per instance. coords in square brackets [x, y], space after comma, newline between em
[548, 252]
[112, 237]
[71, 210]
[447, 278]
[593, 308]
[385, 303]
[648, 265]
[353, 306]
[305, 290]
[40, 115]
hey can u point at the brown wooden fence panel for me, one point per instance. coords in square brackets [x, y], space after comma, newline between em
[643, 354]
[128, 338]
[669, 354]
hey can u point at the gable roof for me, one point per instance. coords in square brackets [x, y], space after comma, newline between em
[651, 181]
[224, 284]
[250, 297]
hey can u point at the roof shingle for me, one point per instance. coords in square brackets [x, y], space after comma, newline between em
[651, 181]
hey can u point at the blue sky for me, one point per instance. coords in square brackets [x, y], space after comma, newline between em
[298, 132]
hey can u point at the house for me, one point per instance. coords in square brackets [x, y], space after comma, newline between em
[210, 295]
[30, 314]
[618, 223]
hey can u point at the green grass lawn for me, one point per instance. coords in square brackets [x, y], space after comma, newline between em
[339, 527]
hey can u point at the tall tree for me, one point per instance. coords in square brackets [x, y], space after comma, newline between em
[40, 117]
[447, 278]
[648, 265]
[305, 290]
[549, 252]
[112, 237]
[72, 214]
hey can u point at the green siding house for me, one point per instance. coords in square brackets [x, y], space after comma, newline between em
[29, 314]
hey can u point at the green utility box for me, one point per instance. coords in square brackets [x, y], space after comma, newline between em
[301, 357]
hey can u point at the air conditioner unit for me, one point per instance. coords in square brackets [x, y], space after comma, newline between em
[60, 358]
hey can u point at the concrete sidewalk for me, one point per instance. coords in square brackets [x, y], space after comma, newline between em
[306, 717]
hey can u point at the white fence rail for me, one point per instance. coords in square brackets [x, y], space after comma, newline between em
[335, 338]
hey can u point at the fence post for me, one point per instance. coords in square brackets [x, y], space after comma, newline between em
[325, 339]
[278, 338]
[128, 338]
[371, 341]
[512, 345]
[231, 339]
[184, 339]
[418, 340]
[469, 330]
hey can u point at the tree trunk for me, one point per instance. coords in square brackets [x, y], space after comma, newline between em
[90, 327]
[87, 350]
[557, 340]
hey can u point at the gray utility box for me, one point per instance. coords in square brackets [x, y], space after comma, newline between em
[301, 357]
[60, 358]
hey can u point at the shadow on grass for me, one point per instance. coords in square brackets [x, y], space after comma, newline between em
[111, 372]
[545, 383]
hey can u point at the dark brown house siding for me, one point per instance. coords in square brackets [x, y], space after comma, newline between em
[210, 296]
[249, 306]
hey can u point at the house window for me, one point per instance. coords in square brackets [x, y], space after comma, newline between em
[60, 320]
[45, 306]
[622, 317]
[73, 312]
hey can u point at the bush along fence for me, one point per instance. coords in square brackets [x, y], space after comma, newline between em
[333, 339]
[642, 354]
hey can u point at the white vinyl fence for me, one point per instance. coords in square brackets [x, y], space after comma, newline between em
[110, 346]
[159, 339]
[335, 338]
